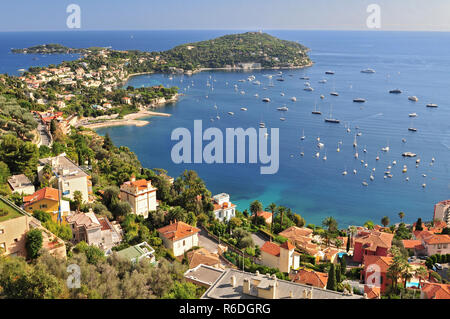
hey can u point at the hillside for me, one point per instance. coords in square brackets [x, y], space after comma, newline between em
[230, 50]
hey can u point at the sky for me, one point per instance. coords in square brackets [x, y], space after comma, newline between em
[51, 15]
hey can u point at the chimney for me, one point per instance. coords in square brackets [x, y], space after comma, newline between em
[233, 281]
[246, 286]
[309, 294]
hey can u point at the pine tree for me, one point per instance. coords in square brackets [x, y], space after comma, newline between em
[331, 284]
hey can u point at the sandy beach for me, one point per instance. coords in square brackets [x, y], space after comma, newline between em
[130, 119]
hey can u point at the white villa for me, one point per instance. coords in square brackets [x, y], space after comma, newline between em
[223, 208]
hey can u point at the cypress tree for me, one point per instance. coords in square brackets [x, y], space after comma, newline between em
[343, 265]
[331, 284]
[338, 274]
[348, 242]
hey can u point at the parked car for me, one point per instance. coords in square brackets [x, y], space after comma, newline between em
[438, 266]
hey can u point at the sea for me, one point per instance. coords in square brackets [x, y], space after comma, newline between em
[417, 63]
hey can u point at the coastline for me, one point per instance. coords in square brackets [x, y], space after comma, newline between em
[129, 119]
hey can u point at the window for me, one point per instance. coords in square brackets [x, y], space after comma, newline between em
[2, 231]
[184, 243]
[16, 240]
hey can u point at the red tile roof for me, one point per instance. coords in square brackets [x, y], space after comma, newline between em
[271, 248]
[311, 277]
[436, 291]
[44, 193]
[372, 292]
[287, 245]
[374, 239]
[178, 230]
[265, 215]
[381, 261]
[437, 239]
[411, 243]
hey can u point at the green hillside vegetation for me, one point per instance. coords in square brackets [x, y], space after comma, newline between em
[250, 47]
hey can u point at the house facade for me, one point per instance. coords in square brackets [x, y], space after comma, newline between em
[140, 194]
[282, 257]
[375, 271]
[48, 200]
[21, 184]
[224, 210]
[179, 237]
[371, 243]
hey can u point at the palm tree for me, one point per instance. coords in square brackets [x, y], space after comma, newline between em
[401, 215]
[398, 267]
[385, 221]
[330, 223]
[407, 273]
[255, 207]
[272, 208]
[281, 211]
[421, 273]
[369, 224]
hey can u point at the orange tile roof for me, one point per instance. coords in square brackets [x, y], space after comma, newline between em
[374, 239]
[296, 233]
[265, 215]
[382, 262]
[372, 291]
[411, 243]
[311, 277]
[141, 183]
[436, 291]
[224, 205]
[287, 245]
[178, 230]
[419, 234]
[437, 239]
[271, 248]
[44, 193]
[202, 256]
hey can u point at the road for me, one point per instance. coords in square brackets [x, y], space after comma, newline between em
[207, 242]
[42, 130]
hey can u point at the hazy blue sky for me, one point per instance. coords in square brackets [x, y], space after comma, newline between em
[23, 15]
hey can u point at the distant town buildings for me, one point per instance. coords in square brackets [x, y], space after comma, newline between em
[442, 212]
[140, 194]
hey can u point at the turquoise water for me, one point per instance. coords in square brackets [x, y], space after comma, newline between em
[313, 187]
[417, 63]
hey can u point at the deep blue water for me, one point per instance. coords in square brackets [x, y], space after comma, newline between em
[417, 63]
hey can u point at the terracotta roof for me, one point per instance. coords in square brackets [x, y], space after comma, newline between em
[437, 239]
[178, 230]
[411, 243]
[141, 183]
[372, 291]
[224, 205]
[265, 215]
[202, 256]
[382, 261]
[104, 223]
[419, 234]
[374, 239]
[87, 220]
[44, 193]
[271, 248]
[294, 231]
[311, 277]
[436, 291]
[287, 245]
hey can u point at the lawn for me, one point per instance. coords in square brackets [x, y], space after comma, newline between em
[11, 212]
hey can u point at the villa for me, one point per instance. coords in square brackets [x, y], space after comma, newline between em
[374, 265]
[310, 278]
[137, 252]
[179, 237]
[94, 230]
[140, 194]
[70, 177]
[15, 223]
[21, 184]
[442, 211]
[283, 257]
[224, 210]
[371, 242]
[48, 200]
